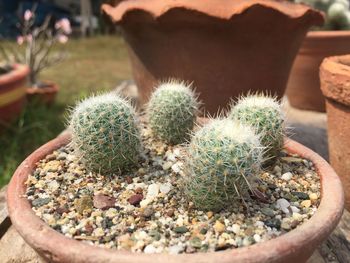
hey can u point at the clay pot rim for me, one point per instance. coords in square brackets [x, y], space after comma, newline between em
[338, 70]
[225, 10]
[56, 246]
[19, 72]
[324, 34]
[52, 88]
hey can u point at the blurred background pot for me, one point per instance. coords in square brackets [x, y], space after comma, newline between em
[225, 48]
[45, 94]
[303, 90]
[335, 85]
[12, 93]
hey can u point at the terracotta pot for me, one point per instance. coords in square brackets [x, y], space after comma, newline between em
[335, 85]
[303, 89]
[45, 95]
[295, 246]
[225, 48]
[12, 93]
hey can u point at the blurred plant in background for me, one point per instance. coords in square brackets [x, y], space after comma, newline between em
[36, 44]
[337, 12]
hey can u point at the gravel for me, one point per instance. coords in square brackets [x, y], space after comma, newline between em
[145, 211]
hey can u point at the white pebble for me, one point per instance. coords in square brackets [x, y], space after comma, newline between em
[149, 249]
[295, 209]
[283, 205]
[176, 168]
[167, 165]
[235, 228]
[176, 249]
[165, 188]
[257, 238]
[287, 176]
[53, 185]
[145, 202]
[152, 191]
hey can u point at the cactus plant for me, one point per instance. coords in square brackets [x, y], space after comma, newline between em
[105, 134]
[172, 111]
[337, 12]
[265, 115]
[223, 156]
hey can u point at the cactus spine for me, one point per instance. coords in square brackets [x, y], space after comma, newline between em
[222, 158]
[105, 134]
[265, 115]
[172, 111]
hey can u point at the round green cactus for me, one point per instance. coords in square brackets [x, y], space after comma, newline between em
[338, 15]
[172, 111]
[265, 115]
[337, 11]
[105, 134]
[223, 157]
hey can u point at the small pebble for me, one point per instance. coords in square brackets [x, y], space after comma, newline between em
[287, 176]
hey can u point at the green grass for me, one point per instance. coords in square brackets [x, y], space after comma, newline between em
[93, 65]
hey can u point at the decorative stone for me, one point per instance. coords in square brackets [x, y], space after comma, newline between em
[283, 205]
[165, 188]
[40, 202]
[135, 199]
[103, 202]
[287, 176]
[180, 229]
[148, 212]
[167, 165]
[300, 195]
[83, 203]
[177, 249]
[267, 211]
[219, 227]
[153, 190]
[306, 203]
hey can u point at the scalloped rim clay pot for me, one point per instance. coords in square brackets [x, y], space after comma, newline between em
[294, 246]
[335, 85]
[303, 90]
[12, 93]
[225, 48]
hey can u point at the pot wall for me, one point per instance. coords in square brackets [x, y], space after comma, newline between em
[12, 93]
[335, 85]
[303, 88]
[224, 54]
[294, 246]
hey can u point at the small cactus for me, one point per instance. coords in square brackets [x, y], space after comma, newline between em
[105, 134]
[265, 115]
[172, 111]
[223, 156]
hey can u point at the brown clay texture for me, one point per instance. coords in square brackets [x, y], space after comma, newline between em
[303, 89]
[12, 93]
[335, 81]
[225, 48]
[295, 246]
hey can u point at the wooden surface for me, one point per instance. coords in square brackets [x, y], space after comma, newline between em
[309, 129]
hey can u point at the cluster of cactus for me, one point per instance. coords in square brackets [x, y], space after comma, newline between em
[337, 12]
[265, 115]
[222, 157]
[105, 134]
[172, 111]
